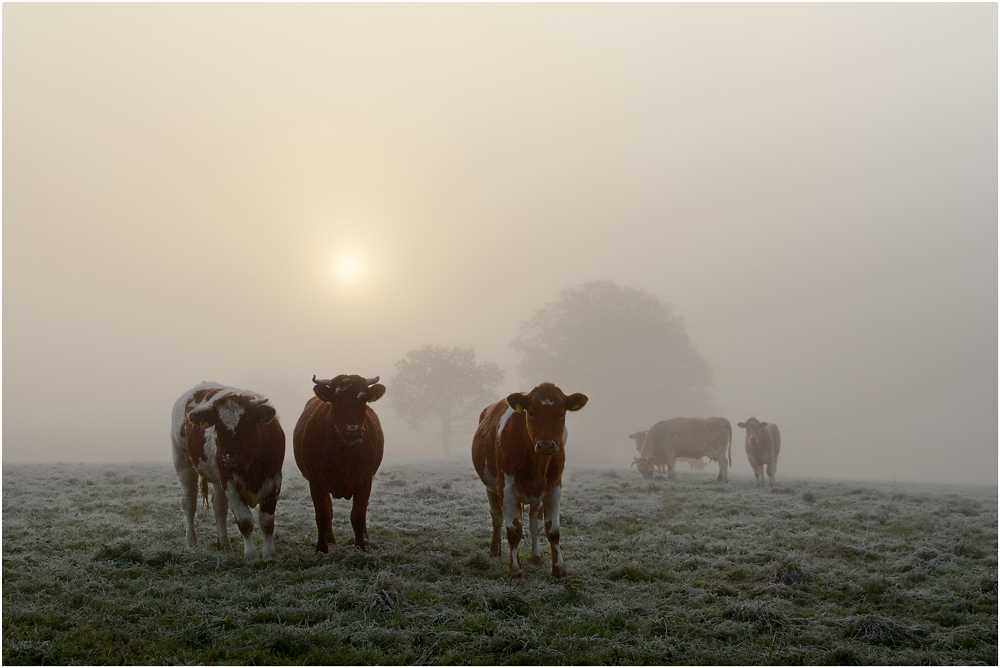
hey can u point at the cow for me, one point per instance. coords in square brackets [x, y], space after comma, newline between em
[230, 438]
[763, 443]
[519, 450]
[670, 440]
[338, 444]
[661, 464]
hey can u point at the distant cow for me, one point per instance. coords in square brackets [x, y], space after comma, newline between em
[338, 446]
[694, 438]
[661, 465]
[763, 444]
[519, 453]
[232, 439]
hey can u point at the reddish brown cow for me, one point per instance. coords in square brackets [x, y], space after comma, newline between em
[519, 453]
[338, 446]
[763, 443]
[230, 438]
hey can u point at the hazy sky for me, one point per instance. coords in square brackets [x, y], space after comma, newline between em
[813, 187]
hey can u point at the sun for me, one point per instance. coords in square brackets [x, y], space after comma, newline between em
[347, 267]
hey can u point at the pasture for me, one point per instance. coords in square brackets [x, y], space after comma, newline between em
[660, 572]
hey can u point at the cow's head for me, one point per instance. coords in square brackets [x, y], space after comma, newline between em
[545, 415]
[645, 466]
[349, 396]
[237, 419]
[754, 428]
[639, 437]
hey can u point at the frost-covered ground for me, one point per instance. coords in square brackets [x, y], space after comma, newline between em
[691, 571]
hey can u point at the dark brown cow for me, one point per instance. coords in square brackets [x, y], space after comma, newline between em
[519, 453]
[338, 446]
[670, 440]
[230, 438]
[763, 443]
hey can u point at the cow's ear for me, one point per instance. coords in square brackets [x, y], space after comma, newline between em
[741, 425]
[763, 424]
[324, 392]
[575, 402]
[265, 414]
[517, 401]
[375, 392]
[203, 417]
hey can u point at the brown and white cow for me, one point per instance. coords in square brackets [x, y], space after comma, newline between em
[232, 439]
[661, 464]
[694, 438]
[338, 444]
[763, 443]
[519, 451]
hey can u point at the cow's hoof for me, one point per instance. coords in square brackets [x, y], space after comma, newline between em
[494, 555]
[516, 576]
[558, 572]
[321, 548]
[536, 561]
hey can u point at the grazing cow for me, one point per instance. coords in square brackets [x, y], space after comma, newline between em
[661, 464]
[694, 438]
[519, 451]
[763, 444]
[338, 445]
[230, 438]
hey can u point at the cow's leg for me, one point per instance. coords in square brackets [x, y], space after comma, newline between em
[533, 522]
[670, 469]
[220, 508]
[723, 470]
[189, 499]
[772, 468]
[552, 530]
[496, 514]
[758, 474]
[513, 522]
[323, 504]
[265, 516]
[359, 516]
[244, 517]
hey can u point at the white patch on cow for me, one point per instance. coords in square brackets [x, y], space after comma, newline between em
[489, 480]
[253, 498]
[243, 515]
[503, 421]
[546, 402]
[339, 389]
[208, 468]
[509, 501]
[230, 412]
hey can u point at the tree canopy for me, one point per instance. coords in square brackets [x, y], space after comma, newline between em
[443, 382]
[622, 347]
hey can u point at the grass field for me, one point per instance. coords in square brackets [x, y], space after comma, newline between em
[688, 571]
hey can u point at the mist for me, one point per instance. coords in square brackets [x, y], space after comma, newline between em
[253, 194]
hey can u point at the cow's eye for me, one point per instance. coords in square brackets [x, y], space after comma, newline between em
[204, 424]
[262, 418]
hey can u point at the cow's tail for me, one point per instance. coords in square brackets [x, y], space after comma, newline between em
[204, 492]
[729, 453]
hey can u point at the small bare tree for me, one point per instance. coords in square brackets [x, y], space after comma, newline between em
[446, 382]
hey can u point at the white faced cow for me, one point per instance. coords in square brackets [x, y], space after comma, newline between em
[763, 444]
[229, 438]
[519, 451]
[676, 438]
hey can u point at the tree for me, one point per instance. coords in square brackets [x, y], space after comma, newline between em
[622, 347]
[446, 382]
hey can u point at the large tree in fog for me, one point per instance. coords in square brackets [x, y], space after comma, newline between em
[444, 382]
[622, 347]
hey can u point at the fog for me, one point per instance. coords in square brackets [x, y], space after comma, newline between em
[253, 194]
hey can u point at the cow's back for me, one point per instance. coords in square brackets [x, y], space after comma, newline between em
[772, 431]
[320, 454]
[689, 437]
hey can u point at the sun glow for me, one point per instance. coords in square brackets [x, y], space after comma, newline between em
[347, 268]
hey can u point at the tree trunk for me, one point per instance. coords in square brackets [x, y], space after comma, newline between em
[446, 431]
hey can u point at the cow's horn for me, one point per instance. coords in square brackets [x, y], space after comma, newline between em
[260, 401]
[321, 381]
[371, 381]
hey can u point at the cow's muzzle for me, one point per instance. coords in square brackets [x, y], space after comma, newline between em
[351, 434]
[546, 448]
